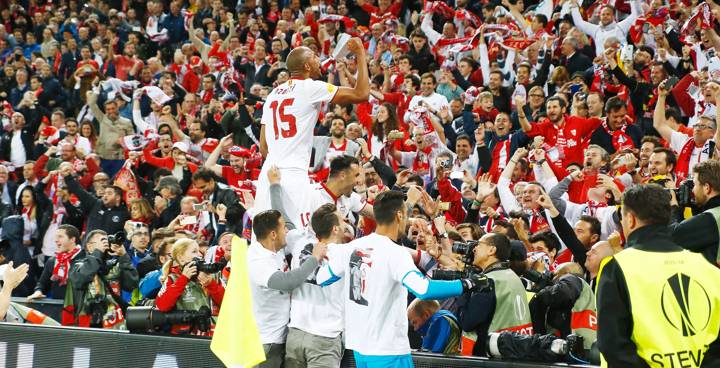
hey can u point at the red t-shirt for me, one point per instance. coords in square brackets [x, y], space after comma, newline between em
[236, 180]
[123, 64]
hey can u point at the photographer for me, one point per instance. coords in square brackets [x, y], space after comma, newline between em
[186, 287]
[93, 297]
[700, 233]
[501, 307]
[567, 306]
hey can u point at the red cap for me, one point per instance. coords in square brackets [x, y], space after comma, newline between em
[195, 62]
[238, 151]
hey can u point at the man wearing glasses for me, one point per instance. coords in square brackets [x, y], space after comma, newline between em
[139, 235]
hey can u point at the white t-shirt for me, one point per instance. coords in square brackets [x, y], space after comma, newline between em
[289, 115]
[314, 309]
[699, 154]
[320, 195]
[271, 308]
[435, 100]
[375, 298]
[18, 155]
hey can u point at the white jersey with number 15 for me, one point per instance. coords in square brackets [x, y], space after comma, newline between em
[289, 115]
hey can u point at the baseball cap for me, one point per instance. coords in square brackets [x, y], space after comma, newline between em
[182, 146]
[195, 62]
[238, 151]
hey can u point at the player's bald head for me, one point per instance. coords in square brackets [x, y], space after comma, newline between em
[297, 58]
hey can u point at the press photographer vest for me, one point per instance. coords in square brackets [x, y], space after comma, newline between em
[583, 316]
[511, 308]
[715, 212]
[676, 309]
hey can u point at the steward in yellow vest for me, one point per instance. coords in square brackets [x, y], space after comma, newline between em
[658, 305]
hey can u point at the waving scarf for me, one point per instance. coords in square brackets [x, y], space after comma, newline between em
[62, 265]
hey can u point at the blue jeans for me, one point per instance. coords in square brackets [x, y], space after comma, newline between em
[383, 361]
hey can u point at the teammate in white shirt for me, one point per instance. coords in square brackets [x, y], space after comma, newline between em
[379, 272]
[316, 313]
[290, 113]
[271, 282]
[338, 190]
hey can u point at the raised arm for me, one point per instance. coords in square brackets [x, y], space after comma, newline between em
[361, 91]
[659, 122]
[211, 162]
[587, 27]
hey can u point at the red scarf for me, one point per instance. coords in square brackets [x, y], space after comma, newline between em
[593, 207]
[683, 162]
[62, 265]
[620, 139]
[538, 223]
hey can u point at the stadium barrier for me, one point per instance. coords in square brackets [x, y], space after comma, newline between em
[29, 346]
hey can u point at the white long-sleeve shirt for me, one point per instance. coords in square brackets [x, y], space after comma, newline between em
[601, 33]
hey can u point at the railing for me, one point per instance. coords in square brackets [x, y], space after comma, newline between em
[30, 346]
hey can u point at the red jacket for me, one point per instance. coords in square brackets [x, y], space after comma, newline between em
[172, 291]
[576, 131]
[166, 162]
[85, 180]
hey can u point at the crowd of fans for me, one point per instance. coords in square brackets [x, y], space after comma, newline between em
[131, 149]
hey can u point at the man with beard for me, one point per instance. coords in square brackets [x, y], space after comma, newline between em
[608, 27]
[327, 148]
[647, 147]
[661, 163]
[566, 137]
[616, 134]
[237, 173]
[501, 142]
[200, 146]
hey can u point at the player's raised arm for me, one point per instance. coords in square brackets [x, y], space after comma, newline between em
[361, 91]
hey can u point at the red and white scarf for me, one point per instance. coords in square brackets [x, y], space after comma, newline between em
[593, 206]
[62, 265]
[683, 163]
[538, 222]
[620, 139]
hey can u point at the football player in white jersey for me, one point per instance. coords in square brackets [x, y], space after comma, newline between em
[380, 272]
[290, 113]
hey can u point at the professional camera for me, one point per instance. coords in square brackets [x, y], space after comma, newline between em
[466, 249]
[683, 193]
[117, 238]
[209, 267]
[539, 280]
[149, 319]
[96, 308]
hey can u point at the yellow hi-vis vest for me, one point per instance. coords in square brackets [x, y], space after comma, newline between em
[675, 305]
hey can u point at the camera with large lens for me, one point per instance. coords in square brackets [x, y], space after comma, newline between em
[117, 238]
[209, 268]
[466, 250]
[683, 193]
[96, 307]
[149, 319]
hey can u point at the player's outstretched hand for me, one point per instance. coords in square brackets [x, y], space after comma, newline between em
[355, 46]
[274, 175]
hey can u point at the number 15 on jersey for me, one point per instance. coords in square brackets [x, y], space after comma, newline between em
[287, 125]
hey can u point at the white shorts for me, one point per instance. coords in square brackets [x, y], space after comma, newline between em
[296, 189]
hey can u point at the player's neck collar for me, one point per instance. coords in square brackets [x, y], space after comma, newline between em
[298, 77]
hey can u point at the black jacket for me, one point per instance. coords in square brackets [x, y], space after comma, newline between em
[252, 77]
[603, 139]
[28, 142]
[83, 272]
[578, 62]
[423, 61]
[552, 305]
[475, 312]
[700, 232]
[99, 216]
[615, 320]
[12, 249]
[50, 287]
